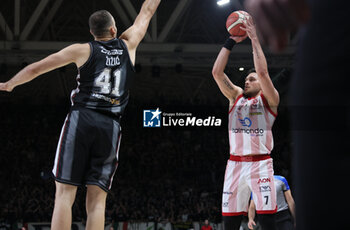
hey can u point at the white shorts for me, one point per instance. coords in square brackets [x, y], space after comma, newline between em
[246, 175]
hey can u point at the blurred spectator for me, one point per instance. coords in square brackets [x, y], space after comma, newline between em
[206, 225]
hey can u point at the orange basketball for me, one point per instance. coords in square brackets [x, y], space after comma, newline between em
[235, 21]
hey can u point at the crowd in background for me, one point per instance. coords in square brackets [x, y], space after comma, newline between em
[164, 174]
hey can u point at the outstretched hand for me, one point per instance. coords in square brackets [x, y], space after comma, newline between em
[6, 87]
[249, 27]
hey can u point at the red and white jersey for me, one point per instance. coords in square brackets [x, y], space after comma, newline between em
[249, 127]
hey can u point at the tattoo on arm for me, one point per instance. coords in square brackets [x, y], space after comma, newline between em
[227, 84]
[256, 51]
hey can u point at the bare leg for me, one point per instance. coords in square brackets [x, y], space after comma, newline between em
[62, 213]
[95, 207]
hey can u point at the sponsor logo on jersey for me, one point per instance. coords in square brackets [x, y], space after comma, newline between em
[265, 188]
[224, 204]
[108, 99]
[255, 113]
[151, 118]
[252, 132]
[111, 52]
[264, 180]
[246, 122]
[227, 193]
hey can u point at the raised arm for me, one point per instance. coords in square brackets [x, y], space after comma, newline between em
[260, 65]
[228, 89]
[77, 53]
[134, 35]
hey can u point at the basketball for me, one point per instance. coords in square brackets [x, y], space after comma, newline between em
[235, 21]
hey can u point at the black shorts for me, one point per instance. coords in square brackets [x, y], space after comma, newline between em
[87, 151]
[284, 220]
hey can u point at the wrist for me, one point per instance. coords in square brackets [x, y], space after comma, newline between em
[229, 44]
[255, 39]
[9, 86]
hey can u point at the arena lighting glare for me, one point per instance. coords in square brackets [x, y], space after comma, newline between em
[222, 2]
[241, 68]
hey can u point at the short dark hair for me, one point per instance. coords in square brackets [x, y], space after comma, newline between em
[251, 70]
[99, 23]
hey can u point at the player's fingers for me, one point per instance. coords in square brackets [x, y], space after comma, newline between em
[250, 225]
[5, 87]
[247, 22]
[247, 26]
[250, 20]
[243, 28]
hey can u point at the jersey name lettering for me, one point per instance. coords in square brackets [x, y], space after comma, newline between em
[112, 61]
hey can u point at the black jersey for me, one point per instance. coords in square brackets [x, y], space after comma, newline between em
[105, 78]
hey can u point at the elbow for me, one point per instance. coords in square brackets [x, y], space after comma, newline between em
[216, 72]
[263, 73]
[151, 8]
[32, 70]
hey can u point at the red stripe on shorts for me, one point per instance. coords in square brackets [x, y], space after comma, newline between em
[59, 151]
[250, 158]
[267, 211]
[234, 213]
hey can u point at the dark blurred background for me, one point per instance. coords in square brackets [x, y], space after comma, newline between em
[173, 174]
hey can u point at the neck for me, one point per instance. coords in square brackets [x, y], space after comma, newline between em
[252, 95]
[104, 38]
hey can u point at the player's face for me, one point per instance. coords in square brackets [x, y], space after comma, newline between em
[251, 85]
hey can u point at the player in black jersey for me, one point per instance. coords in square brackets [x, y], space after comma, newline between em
[87, 152]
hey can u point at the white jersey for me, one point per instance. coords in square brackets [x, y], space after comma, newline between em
[249, 127]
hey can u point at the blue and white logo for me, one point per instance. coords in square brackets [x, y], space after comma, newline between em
[151, 118]
[245, 122]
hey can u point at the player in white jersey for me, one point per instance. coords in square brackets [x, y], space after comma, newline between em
[252, 113]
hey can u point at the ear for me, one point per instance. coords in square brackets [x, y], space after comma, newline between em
[113, 31]
[92, 34]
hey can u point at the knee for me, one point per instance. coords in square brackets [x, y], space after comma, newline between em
[65, 194]
[95, 200]
[95, 206]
